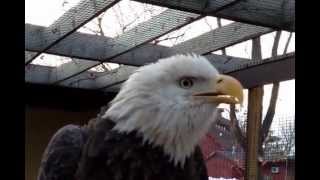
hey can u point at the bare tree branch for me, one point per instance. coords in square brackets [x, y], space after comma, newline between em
[219, 22]
[99, 19]
[274, 96]
[219, 26]
[288, 135]
[287, 43]
[235, 128]
[256, 49]
[168, 38]
[92, 30]
[104, 67]
[271, 111]
[64, 3]
[275, 46]
[206, 21]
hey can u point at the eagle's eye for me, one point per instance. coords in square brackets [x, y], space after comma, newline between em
[186, 83]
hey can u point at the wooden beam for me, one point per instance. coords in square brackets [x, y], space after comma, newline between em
[98, 80]
[195, 6]
[96, 48]
[203, 44]
[122, 74]
[69, 22]
[143, 33]
[252, 74]
[281, 68]
[113, 78]
[254, 120]
[277, 14]
[37, 74]
[253, 131]
[28, 55]
[221, 37]
[44, 74]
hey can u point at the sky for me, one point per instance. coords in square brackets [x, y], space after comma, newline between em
[44, 12]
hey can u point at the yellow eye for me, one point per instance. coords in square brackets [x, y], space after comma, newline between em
[186, 83]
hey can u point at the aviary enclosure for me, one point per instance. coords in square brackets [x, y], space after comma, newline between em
[95, 45]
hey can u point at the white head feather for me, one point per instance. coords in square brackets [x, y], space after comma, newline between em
[153, 103]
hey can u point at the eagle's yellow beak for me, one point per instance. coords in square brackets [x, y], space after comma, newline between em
[226, 90]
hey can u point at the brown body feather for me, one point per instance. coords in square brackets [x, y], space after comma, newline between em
[109, 155]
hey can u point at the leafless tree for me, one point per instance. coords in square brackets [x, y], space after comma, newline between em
[280, 145]
[288, 139]
[273, 100]
[236, 130]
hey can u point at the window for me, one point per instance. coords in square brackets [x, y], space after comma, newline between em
[274, 169]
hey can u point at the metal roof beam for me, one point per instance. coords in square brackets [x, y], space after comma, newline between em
[277, 14]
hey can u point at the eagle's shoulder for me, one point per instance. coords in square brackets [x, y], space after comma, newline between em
[113, 155]
[62, 154]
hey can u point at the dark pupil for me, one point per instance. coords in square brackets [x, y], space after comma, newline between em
[186, 83]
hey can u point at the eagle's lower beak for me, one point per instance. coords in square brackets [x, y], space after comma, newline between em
[226, 90]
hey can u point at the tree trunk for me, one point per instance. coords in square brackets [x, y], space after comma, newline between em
[287, 44]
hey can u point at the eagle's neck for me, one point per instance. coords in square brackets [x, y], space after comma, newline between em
[175, 128]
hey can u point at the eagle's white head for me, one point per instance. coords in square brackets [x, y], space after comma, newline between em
[173, 102]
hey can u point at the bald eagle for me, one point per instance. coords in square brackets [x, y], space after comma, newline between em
[150, 130]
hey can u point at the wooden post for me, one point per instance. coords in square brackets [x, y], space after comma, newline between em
[253, 132]
[254, 120]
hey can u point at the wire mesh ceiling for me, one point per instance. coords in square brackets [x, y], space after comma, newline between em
[81, 55]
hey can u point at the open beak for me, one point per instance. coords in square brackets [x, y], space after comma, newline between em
[226, 90]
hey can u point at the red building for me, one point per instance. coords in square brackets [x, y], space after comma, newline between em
[224, 158]
[282, 169]
[218, 163]
[222, 164]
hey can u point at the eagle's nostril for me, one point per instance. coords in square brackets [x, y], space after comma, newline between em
[219, 80]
